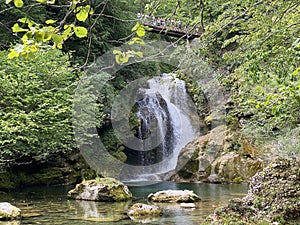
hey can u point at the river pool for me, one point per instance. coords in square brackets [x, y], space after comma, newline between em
[49, 205]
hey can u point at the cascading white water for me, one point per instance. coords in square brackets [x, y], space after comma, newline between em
[165, 110]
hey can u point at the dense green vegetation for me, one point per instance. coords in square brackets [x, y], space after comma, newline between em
[258, 45]
[253, 47]
[36, 106]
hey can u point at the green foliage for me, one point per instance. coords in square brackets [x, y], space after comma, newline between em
[37, 35]
[257, 45]
[35, 106]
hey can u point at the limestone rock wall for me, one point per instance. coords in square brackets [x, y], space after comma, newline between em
[218, 157]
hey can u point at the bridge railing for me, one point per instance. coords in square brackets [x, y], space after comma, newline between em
[168, 24]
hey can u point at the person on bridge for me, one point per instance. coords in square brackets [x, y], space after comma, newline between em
[179, 24]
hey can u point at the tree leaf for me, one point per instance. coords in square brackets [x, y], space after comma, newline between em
[80, 31]
[140, 32]
[117, 52]
[16, 28]
[18, 3]
[50, 21]
[8, 1]
[140, 54]
[42, 1]
[39, 36]
[13, 54]
[122, 58]
[26, 20]
[83, 14]
[136, 27]
[67, 32]
[57, 39]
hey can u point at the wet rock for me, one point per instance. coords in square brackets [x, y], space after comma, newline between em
[9, 212]
[174, 196]
[102, 189]
[273, 197]
[218, 157]
[140, 209]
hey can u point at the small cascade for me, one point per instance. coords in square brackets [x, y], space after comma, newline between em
[166, 123]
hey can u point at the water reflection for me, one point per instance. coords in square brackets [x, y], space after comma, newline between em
[100, 211]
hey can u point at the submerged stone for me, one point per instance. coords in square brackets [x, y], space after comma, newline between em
[102, 189]
[140, 209]
[144, 213]
[174, 196]
[9, 212]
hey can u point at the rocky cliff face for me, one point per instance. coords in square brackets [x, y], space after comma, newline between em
[218, 157]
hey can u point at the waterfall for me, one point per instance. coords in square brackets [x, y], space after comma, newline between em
[167, 121]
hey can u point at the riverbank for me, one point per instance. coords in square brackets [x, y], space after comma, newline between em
[273, 197]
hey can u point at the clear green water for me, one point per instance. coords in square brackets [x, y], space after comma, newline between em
[49, 205]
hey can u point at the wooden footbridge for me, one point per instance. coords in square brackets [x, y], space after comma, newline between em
[173, 31]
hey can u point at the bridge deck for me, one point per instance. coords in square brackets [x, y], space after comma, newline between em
[174, 32]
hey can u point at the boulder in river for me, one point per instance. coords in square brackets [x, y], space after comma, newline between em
[101, 189]
[174, 196]
[8, 211]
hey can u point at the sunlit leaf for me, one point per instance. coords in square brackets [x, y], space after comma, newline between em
[8, 1]
[84, 12]
[140, 54]
[18, 3]
[140, 32]
[80, 31]
[82, 15]
[50, 21]
[28, 21]
[16, 28]
[13, 54]
[122, 58]
[136, 40]
[117, 52]
[136, 27]
[67, 33]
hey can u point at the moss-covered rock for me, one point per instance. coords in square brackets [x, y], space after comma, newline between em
[101, 189]
[273, 198]
[8, 211]
[174, 196]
